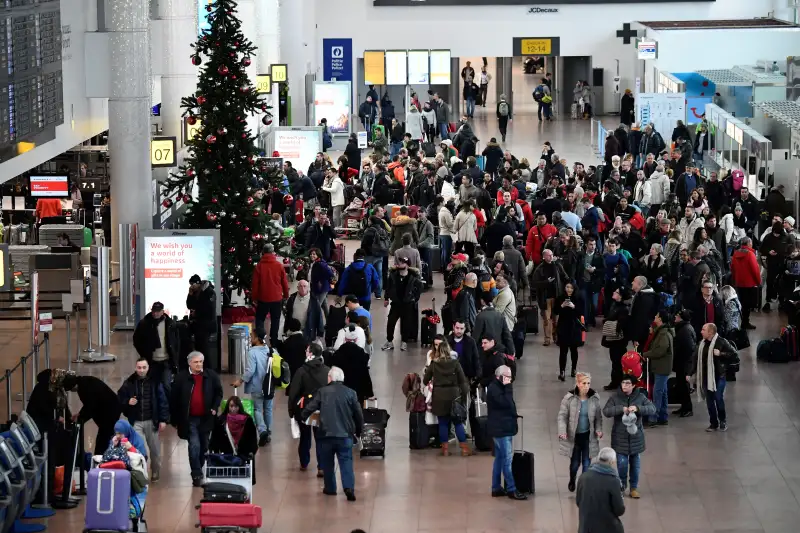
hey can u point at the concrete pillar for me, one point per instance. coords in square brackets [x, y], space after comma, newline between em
[268, 34]
[294, 45]
[127, 22]
[247, 14]
[179, 78]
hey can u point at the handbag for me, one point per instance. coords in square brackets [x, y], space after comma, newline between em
[458, 411]
[740, 338]
[611, 330]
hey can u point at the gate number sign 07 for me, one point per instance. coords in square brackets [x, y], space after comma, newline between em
[162, 152]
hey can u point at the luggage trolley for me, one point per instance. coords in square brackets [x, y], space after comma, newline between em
[216, 471]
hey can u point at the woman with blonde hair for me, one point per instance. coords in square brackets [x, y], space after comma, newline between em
[450, 386]
[731, 310]
[580, 426]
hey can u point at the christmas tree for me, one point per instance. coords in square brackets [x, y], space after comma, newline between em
[223, 156]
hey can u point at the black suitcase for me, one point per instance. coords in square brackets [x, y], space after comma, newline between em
[373, 435]
[528, 314]
[480, 434]
[519, 334]
[225, 493]
[339, 267]
[522, 468]
[427, 329]
[429, 149]
[417, 431]
[447, 318]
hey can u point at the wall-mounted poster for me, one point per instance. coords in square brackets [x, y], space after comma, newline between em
[332, 102]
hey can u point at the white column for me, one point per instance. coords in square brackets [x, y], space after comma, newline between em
[247, 14]
[127, 22]
[268, 34]
[179, 78]
[294, 42]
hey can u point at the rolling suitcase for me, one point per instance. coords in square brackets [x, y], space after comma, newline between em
[522, 467]
[338, 254]
[436, 258]
[480, 434]
[427, 326]
[225, 493]
[373, 435]
[107, 495]
[519, 334]
[234, 516]
[528, 314]
[417, 431]
[789, 338]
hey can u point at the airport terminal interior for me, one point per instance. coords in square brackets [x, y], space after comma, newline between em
[101, 195]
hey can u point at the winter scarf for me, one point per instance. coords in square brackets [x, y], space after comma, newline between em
[706, 373]
[235, 424]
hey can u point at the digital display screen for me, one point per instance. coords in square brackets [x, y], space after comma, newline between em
[440, 67]
[396, 67]
[374, 67]
[418, 67]
[49, 186]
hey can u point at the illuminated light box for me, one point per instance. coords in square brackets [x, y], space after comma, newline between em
[332, 102]
[418, 67]
[440, 67]
[374, 67]
[396, 67]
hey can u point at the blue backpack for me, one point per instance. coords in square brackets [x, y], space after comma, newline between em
[666, 302]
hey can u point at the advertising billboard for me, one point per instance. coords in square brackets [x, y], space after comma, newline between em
[440, 67]
[49, 186]
[332, 101]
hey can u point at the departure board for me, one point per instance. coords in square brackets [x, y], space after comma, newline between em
[31, 81]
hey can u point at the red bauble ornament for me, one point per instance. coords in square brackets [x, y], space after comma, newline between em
[245, 89]
[244, 136]
[211, 139]
[274, 190]
[208, 8]
[196, 60]
[201, 100]
[216, 43]
[266, 120]
[238, 222]
[232, 54]
[250, 260]
[189, 172]
[187, 198]
[256, 212]
[256, 236]
[211, 217]
[167, 203]
[288, 199]
[191, 120]
[247, 228]
[222, 131]
[250, 200]
[236, 44]
[231, 249]
[214, 200]
[208, 150]
[246, 61]
[223, 70]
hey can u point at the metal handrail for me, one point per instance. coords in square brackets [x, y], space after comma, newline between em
[23, 362]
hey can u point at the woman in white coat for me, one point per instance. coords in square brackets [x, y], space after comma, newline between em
[580, 426]
[414, 125]
[334, 185]
[465, 229]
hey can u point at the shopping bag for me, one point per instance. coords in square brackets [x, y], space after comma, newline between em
[295, 428]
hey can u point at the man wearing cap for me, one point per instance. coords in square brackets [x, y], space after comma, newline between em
[270, 287]
[788, 227]
[156, 339]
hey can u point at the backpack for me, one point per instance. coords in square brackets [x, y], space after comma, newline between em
[381, 243]
[632, 364]
[278, 375]
[357, 281]
[772, 351]
[399, 174]
[502, 108]
[538, 93]
[737, 180]
[666, 301]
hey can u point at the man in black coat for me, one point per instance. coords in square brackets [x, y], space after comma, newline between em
[467, 351]
[144, 403]
[599, 500]
[202, 305]
[157, 340]
[99, 404]
[707, 308]
[492, 358]
[643, 311]
[683, 361]
[196, 397]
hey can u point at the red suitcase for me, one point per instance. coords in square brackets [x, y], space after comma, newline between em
[230, 515]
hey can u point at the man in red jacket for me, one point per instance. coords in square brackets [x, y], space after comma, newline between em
[270, 288]
[746, 279]
[537, 238]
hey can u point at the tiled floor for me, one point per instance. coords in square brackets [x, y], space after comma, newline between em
[745, 480]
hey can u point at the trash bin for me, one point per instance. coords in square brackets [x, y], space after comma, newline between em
[238, 343]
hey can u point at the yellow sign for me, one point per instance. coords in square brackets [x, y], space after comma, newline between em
[537, 47]
[193, 130]
[279, 72]
[264, 84]
[23, 147]
[162, 152]
[375, 67]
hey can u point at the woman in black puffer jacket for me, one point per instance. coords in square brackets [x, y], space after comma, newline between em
[619, 313]
[683, 361]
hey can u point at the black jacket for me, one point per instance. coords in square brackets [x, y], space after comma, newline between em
[656, 271]
[493, 154]
[502, 410]
[99, 401]
[42, 404]
[600, 502]
[469, 359]
[353, 154]
[727, 356]
[490, 321]
[146, 341]
[684, 348]
[308, 379]
[354, 362]
[775, 203]
[749, 207]
[221, 442]
[133, 387]
[181, 397]
[620, 313]
[413, 287]
[700, 318]
[490, 361]
[570, 332]
[293, 351]
[339, 411]
[204, 304]
[643, 311]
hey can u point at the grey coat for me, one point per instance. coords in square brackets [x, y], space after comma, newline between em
[599, 501]
[623, 442]
[515, 261]
[490, 321]
[568, 422]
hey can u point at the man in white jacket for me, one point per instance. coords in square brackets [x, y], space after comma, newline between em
[333, 184]
[659, 188]
[689, 224]
[643, 193]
